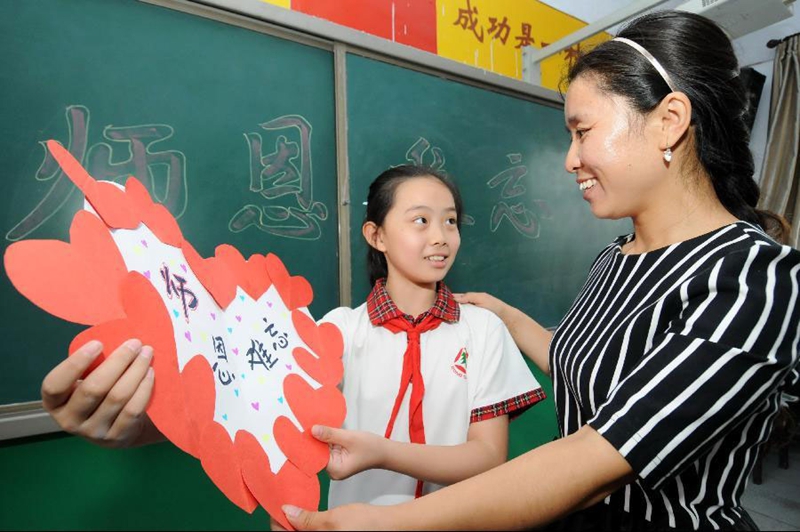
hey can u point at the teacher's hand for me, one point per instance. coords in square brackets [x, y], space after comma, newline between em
[484, 300]
[349, 517]
[108, 406]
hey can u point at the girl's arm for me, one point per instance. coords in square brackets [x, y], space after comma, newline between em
[534, 489]
[531, 338]
[355, 451]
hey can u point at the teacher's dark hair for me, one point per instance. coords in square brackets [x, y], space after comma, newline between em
[700, 60]
[381, 198]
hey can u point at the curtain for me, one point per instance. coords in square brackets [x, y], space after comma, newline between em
[780, 176]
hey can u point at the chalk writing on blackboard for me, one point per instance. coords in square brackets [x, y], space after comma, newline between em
[417, 154]
[144, 161]
[139, 158]
[524, 221]
[286, 171]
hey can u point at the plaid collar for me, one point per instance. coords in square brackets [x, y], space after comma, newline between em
[381, 308]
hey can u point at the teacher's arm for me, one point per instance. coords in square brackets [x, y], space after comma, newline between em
[534, 489]
[531, 338]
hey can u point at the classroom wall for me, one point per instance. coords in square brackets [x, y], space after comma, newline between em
[752, 52]
[758, 136]
[487, 34]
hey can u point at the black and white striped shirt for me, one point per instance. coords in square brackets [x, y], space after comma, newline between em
[677, 357]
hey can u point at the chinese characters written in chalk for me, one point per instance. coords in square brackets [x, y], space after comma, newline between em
[129, 151]
[283, 174]
[417, 154]
[514, 206]
[521, 217]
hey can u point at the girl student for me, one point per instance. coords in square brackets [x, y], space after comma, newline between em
[669, 366]
[429, 384]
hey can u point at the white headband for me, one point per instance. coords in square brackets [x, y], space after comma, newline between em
[653, 61]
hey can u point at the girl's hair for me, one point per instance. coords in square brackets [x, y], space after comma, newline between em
[381, 199]
[701, 63]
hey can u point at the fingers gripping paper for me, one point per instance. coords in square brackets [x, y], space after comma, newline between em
[242, 370]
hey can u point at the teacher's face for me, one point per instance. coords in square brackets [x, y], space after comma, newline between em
[614, 152]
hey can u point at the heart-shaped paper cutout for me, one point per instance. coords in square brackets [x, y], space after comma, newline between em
[221, 463]
[306, 401]
[37, 268]
[293, 486]
[215, 276]
[153, 215]
[295, 291]
[325, 339]
[300, 447]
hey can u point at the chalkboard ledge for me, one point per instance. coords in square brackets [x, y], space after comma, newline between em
[25, 419]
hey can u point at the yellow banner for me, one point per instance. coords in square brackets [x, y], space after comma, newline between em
[490, 34]
[282, 3]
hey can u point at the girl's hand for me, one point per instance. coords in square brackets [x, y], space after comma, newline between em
[348, 517]
[108, 406]
[484, 300]
[351, 451]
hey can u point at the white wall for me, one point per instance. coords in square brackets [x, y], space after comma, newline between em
[753, 52]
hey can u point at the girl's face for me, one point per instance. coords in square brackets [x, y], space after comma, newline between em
[419, 235]
[614, 154]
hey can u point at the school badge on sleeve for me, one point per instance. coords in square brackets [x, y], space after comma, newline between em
[242, 371]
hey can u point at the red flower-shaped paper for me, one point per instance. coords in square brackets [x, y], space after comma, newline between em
[242, 370]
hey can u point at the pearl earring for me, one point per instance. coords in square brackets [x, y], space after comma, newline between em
[668, 154]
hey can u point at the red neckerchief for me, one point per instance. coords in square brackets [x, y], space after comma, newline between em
[383, 312]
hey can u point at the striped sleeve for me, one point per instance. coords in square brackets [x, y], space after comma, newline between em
[732, 341]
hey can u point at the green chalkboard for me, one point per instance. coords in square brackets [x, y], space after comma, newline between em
[528, 237]
[216, 120]
[62, 482]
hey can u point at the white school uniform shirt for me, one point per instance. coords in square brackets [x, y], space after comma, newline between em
[471, 369]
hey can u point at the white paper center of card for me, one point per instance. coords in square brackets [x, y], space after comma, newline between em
[248, 346]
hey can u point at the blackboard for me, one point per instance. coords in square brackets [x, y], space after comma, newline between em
[218, 121]
[59, 482]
